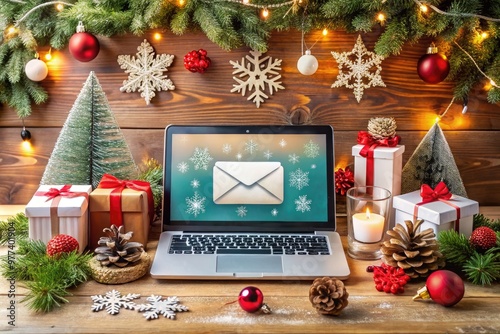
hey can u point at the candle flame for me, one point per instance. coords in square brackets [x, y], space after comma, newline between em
[367, 213]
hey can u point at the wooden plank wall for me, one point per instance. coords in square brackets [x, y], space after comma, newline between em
[206, 99]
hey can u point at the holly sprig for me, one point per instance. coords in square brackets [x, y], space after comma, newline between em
[481, 268]
[46, 278]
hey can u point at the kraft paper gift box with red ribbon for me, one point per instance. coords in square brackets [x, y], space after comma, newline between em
[59, 209]
[121, 202]
[440, 209]
[378, 162]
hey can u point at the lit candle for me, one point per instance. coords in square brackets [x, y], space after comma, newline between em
[368, 227]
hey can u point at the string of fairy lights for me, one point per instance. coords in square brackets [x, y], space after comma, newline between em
[265, 12]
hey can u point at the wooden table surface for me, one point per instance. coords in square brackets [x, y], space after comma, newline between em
[369, 311]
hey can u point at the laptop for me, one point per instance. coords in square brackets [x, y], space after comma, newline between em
[249, 202]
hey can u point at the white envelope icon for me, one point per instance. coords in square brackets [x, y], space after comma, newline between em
[242, 182]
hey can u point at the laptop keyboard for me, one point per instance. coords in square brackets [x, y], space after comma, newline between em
[249, 244]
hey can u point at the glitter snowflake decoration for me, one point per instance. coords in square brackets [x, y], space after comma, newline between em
[311, 149]
[195, 204]
[201, 158]
[166, 307]
[113, 301]
[241, 211]
[303, 204]
[361, 64]
[299, 179]
[259, 72]
[146, 72]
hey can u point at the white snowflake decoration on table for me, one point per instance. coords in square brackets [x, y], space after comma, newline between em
[259, 72]
[360, 64]
[201, 158]
[113, 301]
[146, 72]
[195, 204]
[166, 307]
[299, 179]
[241, 211]
[303, 204]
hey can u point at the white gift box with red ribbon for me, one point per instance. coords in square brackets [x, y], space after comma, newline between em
[71, 214]
[387, 167]
[438, 215]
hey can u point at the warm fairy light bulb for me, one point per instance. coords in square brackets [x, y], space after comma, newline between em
[11, 30]
[325, 32]
[484, 35]
[381, 17]
[424, 8]
[492, 83]
[59, 7]
[182, 3]
[157, 36]
[438, 118]
[265, 13]
[48, 55]
[246, 2]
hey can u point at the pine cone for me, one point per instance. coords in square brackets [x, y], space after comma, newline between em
[382, 127]
[328, 295]
[116, 248]
[417, 253]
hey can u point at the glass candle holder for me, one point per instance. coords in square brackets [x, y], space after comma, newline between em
[368, 214]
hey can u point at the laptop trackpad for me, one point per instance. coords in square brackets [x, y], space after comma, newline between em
[249, 264]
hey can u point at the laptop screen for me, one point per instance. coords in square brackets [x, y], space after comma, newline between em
[235, 178]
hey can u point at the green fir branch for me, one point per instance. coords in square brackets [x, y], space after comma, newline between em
[455, 247]
[14, 228]
[483, 269]
[481, 220]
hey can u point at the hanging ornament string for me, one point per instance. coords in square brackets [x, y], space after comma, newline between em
[447, 108]
[492, 82]
[28, 13]
[442, 12]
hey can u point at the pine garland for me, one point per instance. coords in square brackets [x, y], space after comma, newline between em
[46, 278]
[479, 268]
[153, 173]
[230, 24]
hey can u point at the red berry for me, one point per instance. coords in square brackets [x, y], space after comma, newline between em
[483, 238]
[61, 243]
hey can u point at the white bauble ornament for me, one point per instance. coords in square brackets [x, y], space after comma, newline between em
[307, 64]
[36, 70]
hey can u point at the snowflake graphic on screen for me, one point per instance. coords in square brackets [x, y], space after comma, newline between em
[251, 146]
[360, 64]
[259, 72]
[145, 73]
[238, 156]
[299, 179]
[195, 204]
[283, 143]
[226, 148]
[303, 204]
[293, 158]
[182, 167]
[268, 154]
[241, 211]
[166, 307]
[113, 301]
[195, 183]
[274, 212]
[311, 149]
[201, 158]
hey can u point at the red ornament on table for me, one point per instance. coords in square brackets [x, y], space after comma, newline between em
[251, 299]
[83, 45]
[197, 61]
[433, 67]
[444, 287]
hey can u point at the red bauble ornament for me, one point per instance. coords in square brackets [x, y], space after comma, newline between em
[444, 287]
[197, 61]
[251, 300]
[433, 67]
[83, 45]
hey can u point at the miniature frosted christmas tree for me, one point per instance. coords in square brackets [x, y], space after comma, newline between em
[90, 143]
[431, 163]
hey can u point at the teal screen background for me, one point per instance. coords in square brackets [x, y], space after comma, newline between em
[302, 156]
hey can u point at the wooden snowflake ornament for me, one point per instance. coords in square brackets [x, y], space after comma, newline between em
[157, 305]
[363, 69]
[113, 301]
[259, 72]
[146, 72]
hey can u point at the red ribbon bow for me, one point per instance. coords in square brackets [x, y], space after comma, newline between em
[115, 204]
[56, 195]
[370, 143]
[439, 193]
